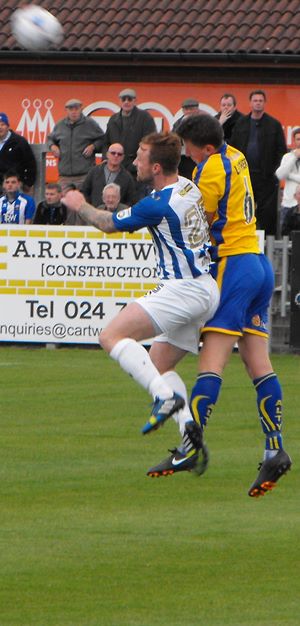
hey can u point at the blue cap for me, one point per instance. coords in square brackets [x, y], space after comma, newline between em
[4, 119]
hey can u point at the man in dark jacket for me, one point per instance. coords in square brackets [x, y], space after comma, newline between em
[228, 115]
[110, 171]
[16, 154]
[51, 210]
[128, 127]
[74, 141]
[260, 137]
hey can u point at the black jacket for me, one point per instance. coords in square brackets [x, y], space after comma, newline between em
[16, 154]
[140, 123]
[229, 125]
[271, 141]
[291, 221]
[94, 183]
[50, 214]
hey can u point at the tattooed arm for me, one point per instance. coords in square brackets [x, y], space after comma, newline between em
[75, 201]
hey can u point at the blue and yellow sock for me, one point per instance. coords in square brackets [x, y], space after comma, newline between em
[269, 402]
[204, 396]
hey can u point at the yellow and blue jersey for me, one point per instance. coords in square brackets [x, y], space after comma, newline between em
[224, 181]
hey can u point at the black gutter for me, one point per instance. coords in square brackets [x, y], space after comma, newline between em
[183, 57]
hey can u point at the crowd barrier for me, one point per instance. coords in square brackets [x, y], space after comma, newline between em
[294, 339]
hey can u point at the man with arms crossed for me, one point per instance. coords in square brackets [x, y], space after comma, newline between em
[185, 297]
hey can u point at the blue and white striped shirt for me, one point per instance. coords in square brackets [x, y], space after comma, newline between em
[17, 211]
[175, 218]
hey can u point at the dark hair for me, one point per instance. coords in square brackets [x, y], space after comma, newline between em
[11, 174]
[257, 92]
[56, 186]
[165, 149]
[202, 130]
[296, 131]
[229, 95]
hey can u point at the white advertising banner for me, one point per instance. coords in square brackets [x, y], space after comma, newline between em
[64, 284]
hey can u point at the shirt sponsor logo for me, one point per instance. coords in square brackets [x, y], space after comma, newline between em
[124, 213]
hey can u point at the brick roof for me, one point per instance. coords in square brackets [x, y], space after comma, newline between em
[160, 27]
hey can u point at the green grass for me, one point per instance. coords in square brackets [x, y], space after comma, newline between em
[88, 540]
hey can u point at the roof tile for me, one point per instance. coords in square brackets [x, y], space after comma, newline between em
[213, 26]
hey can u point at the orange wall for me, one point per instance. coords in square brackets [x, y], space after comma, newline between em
[34, 106]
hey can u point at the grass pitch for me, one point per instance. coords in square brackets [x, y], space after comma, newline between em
[88, 540]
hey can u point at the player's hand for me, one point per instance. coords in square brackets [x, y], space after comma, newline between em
[73, 200]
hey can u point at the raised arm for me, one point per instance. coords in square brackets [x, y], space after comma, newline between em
[75, 201]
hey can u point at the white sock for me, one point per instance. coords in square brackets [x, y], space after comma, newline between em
[269, 454]
[184, 415]
[135, 360]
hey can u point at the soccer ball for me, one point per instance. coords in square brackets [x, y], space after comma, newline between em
[35, 28]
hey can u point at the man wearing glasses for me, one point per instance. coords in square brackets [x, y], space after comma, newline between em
[110, 171]
[128, 127]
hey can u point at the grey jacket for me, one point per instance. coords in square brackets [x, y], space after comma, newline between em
[72, 139]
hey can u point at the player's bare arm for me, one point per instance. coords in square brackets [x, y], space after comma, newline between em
[75, 201]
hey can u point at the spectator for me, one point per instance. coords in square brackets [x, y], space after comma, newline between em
[51, 210]
[260, 137]
[110, 171]
[16, 207]
[289, 171]
[127, 128]
[74, 141]
[16, 154]
[190, 106]
[228, 115]
[111, 197]
[292, 218]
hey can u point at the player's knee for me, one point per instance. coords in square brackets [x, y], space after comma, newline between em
[105, 340]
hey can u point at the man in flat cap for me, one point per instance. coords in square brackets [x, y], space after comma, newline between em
[16, 154]
[190, 106]
[128, 127]
[74, 141]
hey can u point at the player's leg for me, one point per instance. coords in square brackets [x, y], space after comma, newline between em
[165, 357]
[276, 462]
[214, 355]
[166, 352]
[120, 340]
[220, 335]
[190, 454]
[253, 349]
[179, 308]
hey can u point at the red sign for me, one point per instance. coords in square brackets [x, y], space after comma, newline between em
[35, 106]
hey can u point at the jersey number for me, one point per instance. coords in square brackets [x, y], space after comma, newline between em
[194, 220]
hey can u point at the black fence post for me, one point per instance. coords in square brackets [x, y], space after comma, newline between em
[295, 293]
[40, 151]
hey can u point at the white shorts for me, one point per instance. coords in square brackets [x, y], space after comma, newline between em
[179, 308]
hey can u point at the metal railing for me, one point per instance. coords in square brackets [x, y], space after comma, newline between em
[279, 252]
